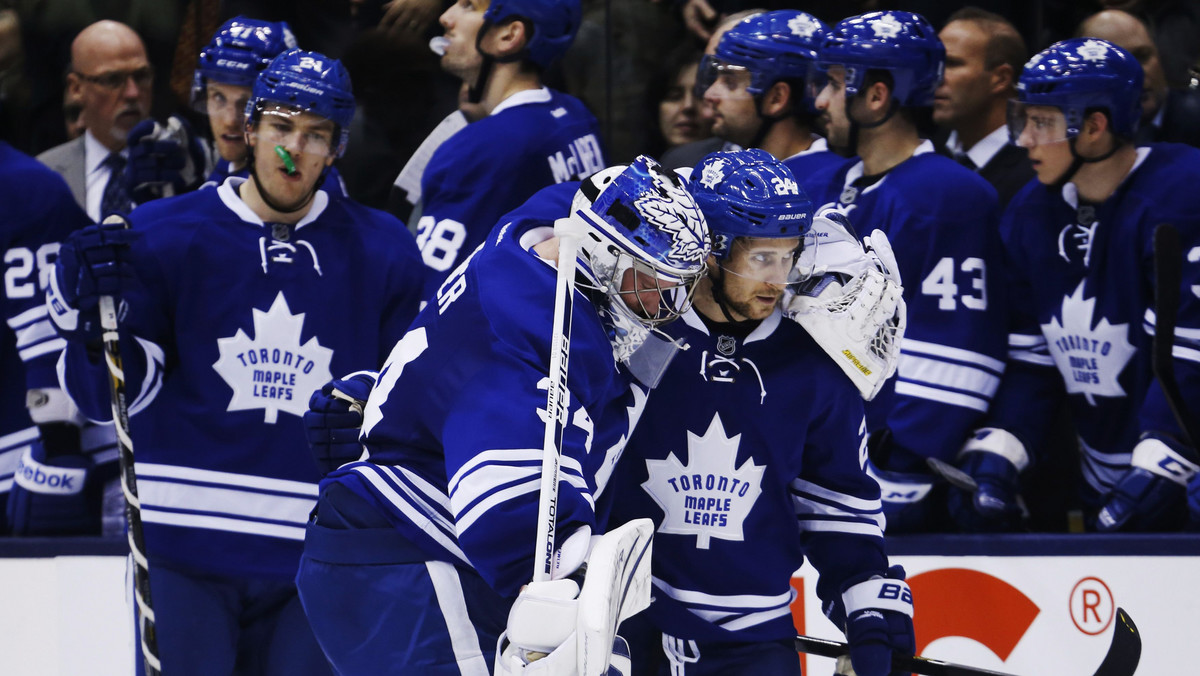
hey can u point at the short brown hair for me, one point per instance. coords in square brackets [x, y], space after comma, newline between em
[1004, 42]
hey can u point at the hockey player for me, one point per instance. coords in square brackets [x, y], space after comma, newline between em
[223, 82]
[882, 69]
[238, 302]
[1084, 282]
[55, 472]
[531, 136]
[756, 83]
[749, 457]
[416, 554]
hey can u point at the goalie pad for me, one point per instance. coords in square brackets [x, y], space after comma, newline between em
[849, 298]
[554, 632]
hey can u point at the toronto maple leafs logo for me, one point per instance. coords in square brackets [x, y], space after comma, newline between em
[1093, 50]
[886, 27]
[708, 497]
[273, 371]
[1090, 356]
[672, 210]
[713, 173]
[803, 26]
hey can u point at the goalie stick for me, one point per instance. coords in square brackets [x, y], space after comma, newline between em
[133, 507]
[1168, 277]
[556, 406]
[1122, 658]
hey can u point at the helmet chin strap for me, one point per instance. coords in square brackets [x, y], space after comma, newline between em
[856, 126]
[475, 91]
[1077, 161]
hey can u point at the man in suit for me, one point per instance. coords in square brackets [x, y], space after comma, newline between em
[111, 75]
[984, 57]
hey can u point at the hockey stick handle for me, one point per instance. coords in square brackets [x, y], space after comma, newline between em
[557, 400]
[915, 664]
[133, 509]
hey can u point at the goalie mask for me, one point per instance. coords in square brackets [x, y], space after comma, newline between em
[642, 246]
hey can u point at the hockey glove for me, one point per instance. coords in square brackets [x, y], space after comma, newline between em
[879, 623]
[905, 498]
[334, 419]
[994, 458]
[164, 160]
[92, 262]
[1150, 496]
[54, 494]
[848, 296]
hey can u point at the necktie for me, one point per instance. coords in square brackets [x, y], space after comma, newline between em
[116, 197]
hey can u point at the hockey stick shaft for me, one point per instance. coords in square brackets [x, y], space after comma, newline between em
[1168, 278]
[915, 664]
[133, 508]
[557, 401]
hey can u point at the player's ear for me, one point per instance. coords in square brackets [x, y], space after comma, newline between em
[509, 38]
[777, 99]
[879, 96]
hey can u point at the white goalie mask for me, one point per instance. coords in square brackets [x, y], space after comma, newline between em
[642, 244]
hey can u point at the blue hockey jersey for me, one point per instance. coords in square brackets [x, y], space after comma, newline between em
[1083, 312]
[230, 327]
[748, 457]
[942, 222]
[815, 161]
[454, 428]
[39, 212]
[533, 139]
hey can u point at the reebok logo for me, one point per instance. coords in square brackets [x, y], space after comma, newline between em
[38, 478]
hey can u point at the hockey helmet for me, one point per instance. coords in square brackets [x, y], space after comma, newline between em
[239, 50]
[772, 46]
[308, 82]
[902, 43]
[553, 23]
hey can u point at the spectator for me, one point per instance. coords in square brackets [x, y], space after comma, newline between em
[673, 103]
[112, 76]
[984, 57]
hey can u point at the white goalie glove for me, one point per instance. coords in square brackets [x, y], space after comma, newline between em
[848, 296]
[558, 628]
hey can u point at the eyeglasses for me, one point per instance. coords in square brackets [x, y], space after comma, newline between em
[116, 79]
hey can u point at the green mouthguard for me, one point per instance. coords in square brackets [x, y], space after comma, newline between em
[287, 159]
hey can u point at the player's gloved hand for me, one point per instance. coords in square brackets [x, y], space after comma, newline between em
[334, 419]
[92, 262]
[994, 458]
[848, 296]
[879, 615]
[1150, 496]
[53, 494]
[905, 498]
[164, 160]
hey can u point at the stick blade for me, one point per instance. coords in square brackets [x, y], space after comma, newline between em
[1126, 649]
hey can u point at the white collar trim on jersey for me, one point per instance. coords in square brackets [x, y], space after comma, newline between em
[819, 145]
[228, 192]
[522, 98]
[764, 329]
[982, 152]
[856, 171]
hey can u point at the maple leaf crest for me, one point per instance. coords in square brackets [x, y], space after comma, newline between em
[1090, 357]
[1093, 50]
[886, 26]
[707, 497]
[273, 371]
[803, 26]
[713, 173]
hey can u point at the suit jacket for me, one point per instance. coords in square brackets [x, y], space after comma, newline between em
[1008, 171]
[68, 161]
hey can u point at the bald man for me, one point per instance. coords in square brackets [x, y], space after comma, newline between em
[111, 76]
[1167, 115]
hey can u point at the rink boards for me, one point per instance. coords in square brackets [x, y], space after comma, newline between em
[1034, 604]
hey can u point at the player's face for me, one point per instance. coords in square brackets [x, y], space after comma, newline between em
[461, 23]
[1042, 131]
[966, 88]
[640, 292]
[754, 274]
[735, 117]
[308, 139]
[679, 114]
[226, 108]
[831, 104]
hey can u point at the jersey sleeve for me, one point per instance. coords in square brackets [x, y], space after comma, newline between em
[493, 449]
[837, 505]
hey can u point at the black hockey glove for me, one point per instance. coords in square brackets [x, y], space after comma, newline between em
[334, 419]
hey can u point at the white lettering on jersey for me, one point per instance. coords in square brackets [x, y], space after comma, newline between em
[709, 496]
[585, 159]
[273, 371]
[1090, 359]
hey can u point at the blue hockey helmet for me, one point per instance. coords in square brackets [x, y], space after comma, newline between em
[640, 217]
[772, 46]
[239, 50]
[307, 81]
[902, 43]
[553, 23]
[1079, 75]
[749, 193]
